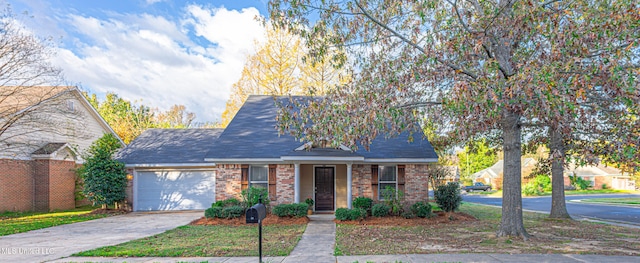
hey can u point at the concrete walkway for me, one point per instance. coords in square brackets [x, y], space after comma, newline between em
[317, 242]
[62, 241]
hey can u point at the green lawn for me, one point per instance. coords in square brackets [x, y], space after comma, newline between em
[18, 222]
[208, 241]
[623, 201]
[548, 236]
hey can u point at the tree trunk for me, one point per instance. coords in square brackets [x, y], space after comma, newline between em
[558, 205]
[511, 223]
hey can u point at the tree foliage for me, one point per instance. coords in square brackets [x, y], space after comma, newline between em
[477, 155]
[280, 67]
[105, 179]
[479, 68]
[129, 120]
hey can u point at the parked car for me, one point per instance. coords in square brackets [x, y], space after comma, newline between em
[477, 187]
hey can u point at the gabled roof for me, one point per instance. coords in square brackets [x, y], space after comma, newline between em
[594, 170]
[496, 170]
[49, 148]
[157, 147]
[252, 135]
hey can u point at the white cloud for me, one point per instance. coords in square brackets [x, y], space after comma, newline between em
[156, 60]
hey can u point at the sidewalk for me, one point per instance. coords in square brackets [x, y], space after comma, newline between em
[317, 245]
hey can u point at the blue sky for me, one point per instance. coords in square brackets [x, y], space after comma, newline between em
[155, 52]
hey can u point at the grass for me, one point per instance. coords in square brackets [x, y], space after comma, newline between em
[208, 241]
[623, 201]
[553, 236]
[18, 222]
[498, 193]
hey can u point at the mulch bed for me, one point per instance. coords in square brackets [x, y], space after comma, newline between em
[438, 218]
[269, 220]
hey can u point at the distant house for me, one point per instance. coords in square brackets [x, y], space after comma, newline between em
[493, 174]
[190, 169]
[598, 175]
[601, 177]
[45, 129]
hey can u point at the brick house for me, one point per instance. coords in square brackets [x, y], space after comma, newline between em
[190, 169]
[48, 128]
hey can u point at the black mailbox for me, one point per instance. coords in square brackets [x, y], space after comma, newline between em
[256, 213]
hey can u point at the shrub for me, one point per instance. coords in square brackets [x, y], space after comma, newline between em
[213, 212]
[393, 199]
[226, 203]
[232, 212]
[604, 186]
[363, 203]
[292, 210]
[531, 189]
[344, 214]
[448, 196]
[421, 209]
[380, 210]
[408, 214]
[251, 196]
[539, 184]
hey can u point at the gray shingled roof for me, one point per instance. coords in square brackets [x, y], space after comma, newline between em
[252, 134]
[164, 146]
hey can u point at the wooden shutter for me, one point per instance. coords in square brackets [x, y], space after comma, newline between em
[244, 178]
[374, 181]
[400, 178]
[272, 181]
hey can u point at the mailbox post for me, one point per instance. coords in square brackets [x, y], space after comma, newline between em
[255, 214]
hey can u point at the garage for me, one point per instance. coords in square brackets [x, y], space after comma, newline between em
[173, 190]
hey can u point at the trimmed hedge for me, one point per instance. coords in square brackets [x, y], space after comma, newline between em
[292, 210]
[226, 203]
[213, 212]
[380, 210]
[344, 214]
[363, 203]
[421, 209]
[232, 212]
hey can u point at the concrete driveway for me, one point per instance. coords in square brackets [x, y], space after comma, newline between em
[62, 241]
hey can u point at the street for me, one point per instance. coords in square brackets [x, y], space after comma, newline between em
[614, 213]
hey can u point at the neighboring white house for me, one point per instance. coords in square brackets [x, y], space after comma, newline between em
[43, 132]
[601, 176]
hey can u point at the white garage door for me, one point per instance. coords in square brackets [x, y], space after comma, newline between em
[174, 190]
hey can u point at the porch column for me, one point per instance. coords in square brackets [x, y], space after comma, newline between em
[349, 179]
[296, 183]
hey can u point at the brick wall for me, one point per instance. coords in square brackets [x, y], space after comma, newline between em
[62, 185]
[361, 184]
[40, 185]
[16, 185]
[228, 178]
[285, 180]
[416, 182]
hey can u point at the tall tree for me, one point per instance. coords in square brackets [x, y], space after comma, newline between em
[475, 64]
[27, 81]
[105, 179]
[280, 67]
[129, 119]
[477, 155]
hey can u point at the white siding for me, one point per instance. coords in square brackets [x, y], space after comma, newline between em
[53, 122]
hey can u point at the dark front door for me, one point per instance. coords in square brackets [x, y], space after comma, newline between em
[324, 188]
